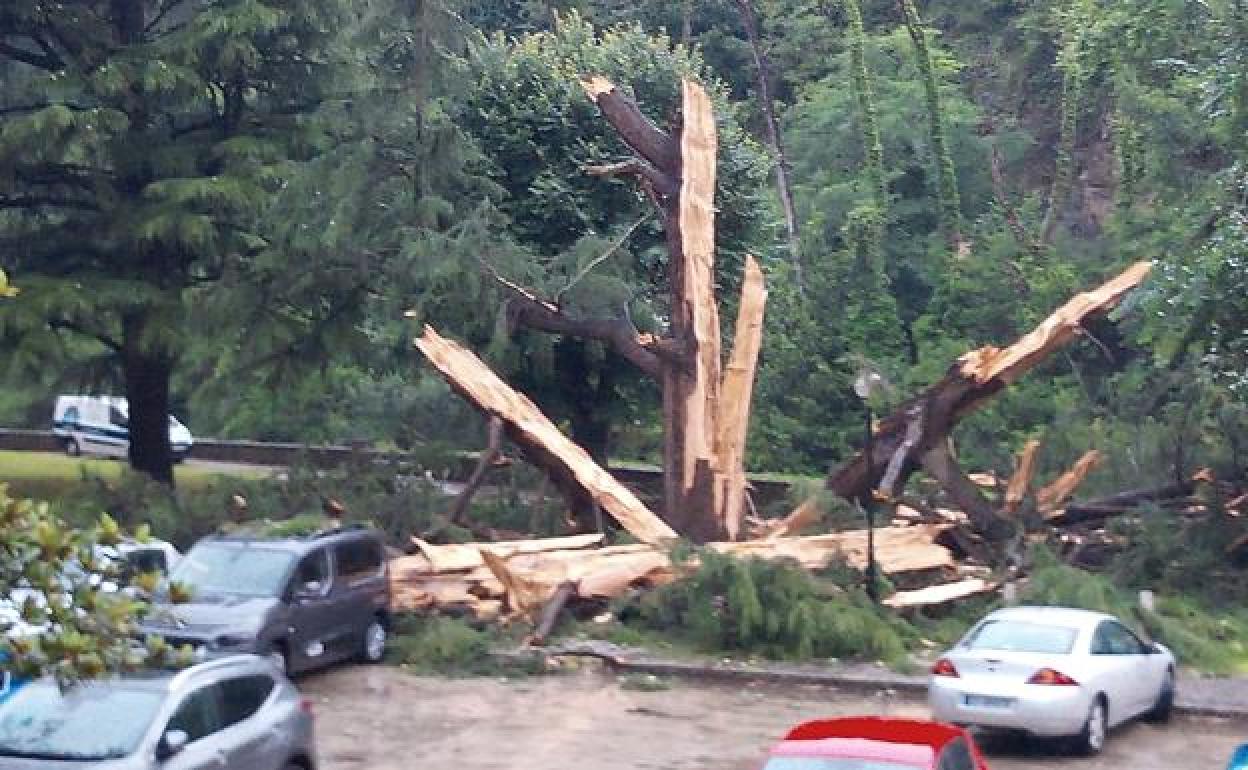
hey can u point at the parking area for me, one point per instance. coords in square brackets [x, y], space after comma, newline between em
[380, 718]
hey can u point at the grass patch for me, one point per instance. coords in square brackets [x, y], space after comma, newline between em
[51, 476]
[451, 647]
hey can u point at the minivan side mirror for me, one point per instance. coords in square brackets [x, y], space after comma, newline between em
[171, 743]
[308, 590]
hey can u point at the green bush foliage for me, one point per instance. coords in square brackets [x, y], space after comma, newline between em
[450, 647]
[1199, 637]
[771, 609]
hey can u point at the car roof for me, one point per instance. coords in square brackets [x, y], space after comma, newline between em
[171, 680]
[294, 543]
[1059, 616]
[911, 741]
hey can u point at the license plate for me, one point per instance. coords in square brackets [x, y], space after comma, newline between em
[988, 702]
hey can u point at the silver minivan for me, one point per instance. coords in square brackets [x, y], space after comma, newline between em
[235, 713]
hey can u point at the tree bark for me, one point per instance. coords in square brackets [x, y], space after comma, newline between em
[924, 423]
[147, 372]
[762, 66]
[484, 462]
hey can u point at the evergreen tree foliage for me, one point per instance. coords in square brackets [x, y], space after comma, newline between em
[139, 149]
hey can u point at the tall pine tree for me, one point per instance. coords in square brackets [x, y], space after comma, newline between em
[141, 142]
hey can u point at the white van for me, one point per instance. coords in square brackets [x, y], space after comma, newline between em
[101, 425]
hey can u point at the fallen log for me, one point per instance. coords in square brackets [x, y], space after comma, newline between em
[550, 612]
[944, 593]
[524, 576]
[455, 557]
[538, 437]
[969, 383]
[801, 517]
[1123, 502]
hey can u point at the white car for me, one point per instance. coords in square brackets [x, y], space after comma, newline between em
[1052, 671]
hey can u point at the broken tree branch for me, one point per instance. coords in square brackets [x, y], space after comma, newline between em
[655, 146]
[492, 450]
[538, 437]
[969, 383]
[1060, 490]
[1020, 482]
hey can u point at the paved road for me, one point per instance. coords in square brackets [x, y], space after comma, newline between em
[383, 719]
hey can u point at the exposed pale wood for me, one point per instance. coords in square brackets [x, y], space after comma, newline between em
[944, 593]
[538, 437]
[800, 518]
[898, 549]
[522, 594]
[467, 556]
[1059, 491]
[733, 419]
[696, 298]
[970, 382]
[1020, 482]
[1063, 325]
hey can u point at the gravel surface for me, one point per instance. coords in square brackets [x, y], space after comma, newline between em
[380, 718]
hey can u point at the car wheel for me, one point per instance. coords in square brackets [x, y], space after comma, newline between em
[374, 646]
[277, 656]
[71, 447]
[1095, 730]
[1165, 700]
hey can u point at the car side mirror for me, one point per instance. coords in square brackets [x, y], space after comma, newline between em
[171, 743]
[309, 590]
[1154, 648]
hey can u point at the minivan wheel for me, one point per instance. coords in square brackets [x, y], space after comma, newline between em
[277, 656]
[374, 648]
[71, 447]
[1095, 730]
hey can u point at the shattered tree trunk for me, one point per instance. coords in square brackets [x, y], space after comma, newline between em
[704, 435]
[917, 434]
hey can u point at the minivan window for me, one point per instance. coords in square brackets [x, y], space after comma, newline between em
[243, 697]
[358, 560]
[237, 569]
[1018, 636]
[313, 569]
[84, 722]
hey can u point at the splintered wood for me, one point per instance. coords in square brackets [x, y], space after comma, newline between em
[538, 436]
[519, 578]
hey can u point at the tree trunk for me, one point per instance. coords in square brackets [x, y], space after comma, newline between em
[762, 68]
[147, 373]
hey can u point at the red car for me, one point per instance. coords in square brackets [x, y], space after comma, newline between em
[875, 743]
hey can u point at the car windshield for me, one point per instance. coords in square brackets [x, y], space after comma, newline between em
[1018, 636]
[218, 568]
[832, 763]
[85, 722]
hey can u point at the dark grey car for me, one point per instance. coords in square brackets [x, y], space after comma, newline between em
[304, 602]
[236, 713]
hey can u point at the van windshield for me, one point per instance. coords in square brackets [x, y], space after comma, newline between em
[233, 568]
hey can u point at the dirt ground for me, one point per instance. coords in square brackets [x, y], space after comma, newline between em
[380, 718]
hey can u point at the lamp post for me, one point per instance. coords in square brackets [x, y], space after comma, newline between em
[866, 383]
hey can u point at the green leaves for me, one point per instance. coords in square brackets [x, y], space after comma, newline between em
[71, 617]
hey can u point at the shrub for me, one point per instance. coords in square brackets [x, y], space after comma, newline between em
[772, 609]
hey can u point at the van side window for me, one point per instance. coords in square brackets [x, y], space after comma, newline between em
[71, 415]
[313, 569]
[117, 418]
[359, 560]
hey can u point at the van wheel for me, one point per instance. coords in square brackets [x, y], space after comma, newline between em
[374, 647]
[71, 447]
[278, 657]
